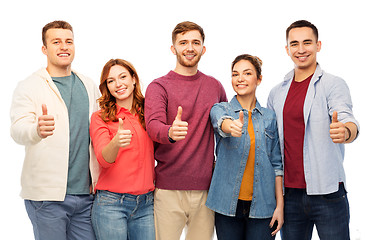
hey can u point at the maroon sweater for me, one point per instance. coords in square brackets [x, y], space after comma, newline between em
[185, 164]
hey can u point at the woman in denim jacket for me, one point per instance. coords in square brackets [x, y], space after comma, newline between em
[246, 190]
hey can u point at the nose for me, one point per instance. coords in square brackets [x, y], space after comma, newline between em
[301, 48]
[63, 45]
[189, 46]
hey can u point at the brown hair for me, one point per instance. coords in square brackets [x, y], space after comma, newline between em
[302, 23]
[107, 102]
[184, 27]
[54, 24]
[255, 61]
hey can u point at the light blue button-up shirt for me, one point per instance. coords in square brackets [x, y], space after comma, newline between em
[322, 159]
[232, 154]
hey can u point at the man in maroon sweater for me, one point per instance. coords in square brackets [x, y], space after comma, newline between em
[177, 108]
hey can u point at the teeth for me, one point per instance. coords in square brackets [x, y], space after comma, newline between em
[63, 55]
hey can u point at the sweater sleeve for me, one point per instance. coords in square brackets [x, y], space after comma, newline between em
[156, 100]
[23, 114]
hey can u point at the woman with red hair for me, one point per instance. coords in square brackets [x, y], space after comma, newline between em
[123, 207]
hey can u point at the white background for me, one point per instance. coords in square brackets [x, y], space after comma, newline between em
[140, 32]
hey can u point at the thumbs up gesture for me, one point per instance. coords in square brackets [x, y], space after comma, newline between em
[178, 130]
[337, 130]
[123, 136]
[46, 123]
[236, 126]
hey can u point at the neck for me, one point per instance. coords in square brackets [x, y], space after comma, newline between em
[59, 72]
[302, 74]
[126, 103]
[247, 102]
[186, 71]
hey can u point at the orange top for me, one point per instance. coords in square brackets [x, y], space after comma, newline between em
[133, 170]
[246, 190]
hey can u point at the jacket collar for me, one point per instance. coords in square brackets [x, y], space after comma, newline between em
[237, 106]
[316, 76]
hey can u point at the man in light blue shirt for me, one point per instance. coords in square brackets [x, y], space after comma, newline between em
[315, 120]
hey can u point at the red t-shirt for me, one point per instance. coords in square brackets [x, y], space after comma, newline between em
[294, 132]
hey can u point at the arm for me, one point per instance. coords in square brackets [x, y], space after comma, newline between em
[24, 116]
[278, 214]
[105, 148]
[344, 127]
[120, 140]
[156, 101]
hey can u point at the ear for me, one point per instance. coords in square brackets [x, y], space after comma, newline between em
[259, 80]
[44, 50]
[173, 50]
[287, 49]
[134, 80]
[318, 46]
[203, 51]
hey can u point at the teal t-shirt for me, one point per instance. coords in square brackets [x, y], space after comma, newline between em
[75, 97]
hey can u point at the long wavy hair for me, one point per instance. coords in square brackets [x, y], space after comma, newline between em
[107, 102]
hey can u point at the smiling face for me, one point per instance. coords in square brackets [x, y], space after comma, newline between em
[59, 50]
[302, 47]
[244, 79]
[121, 86]
[188, 49]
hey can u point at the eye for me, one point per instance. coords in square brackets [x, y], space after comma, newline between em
[235, 74]
[109, 81]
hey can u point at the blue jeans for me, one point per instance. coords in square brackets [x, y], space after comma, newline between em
[121, 216]
[241, 227]
[69, 219]
[330, 214]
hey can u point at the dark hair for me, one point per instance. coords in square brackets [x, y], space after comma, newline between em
[55, 24]
[302, 23]
[107, 102]
[255, 61]
[184, 27]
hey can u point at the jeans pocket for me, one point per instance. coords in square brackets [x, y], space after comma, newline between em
[335, 196]
[108, 198]
[37, 205]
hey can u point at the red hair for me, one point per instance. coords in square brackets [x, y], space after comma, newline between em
[107, 102]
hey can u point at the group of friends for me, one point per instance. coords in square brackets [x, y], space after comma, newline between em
[109, 163]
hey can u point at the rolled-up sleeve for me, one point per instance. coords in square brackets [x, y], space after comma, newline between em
[100, 135]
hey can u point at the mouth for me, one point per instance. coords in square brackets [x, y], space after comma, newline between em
[302, 58]
[190, 56]
[63, 54]
[242, 85]
[121, 91]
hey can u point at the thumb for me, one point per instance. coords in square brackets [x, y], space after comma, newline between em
[241, 118]
[179, 113]
[121, 124]
[335, 117]
[44, 109]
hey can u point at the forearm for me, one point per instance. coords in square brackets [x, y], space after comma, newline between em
[110, 151]
[279, 191]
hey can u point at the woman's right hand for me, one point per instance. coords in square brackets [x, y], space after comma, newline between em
[123, 136]
[236, 126]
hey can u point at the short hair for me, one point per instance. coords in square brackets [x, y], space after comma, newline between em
[255, 61]
[184, 27]
[302, 23]
[55, 24]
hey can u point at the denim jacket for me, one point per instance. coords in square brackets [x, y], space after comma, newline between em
[232, 154]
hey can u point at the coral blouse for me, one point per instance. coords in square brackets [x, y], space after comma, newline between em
[133, 170]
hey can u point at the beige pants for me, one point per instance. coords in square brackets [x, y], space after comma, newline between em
[173, 210]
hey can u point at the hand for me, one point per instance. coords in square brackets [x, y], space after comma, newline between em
[338, 132]
[278, 217]
[123, 136]
[46, 123]
[178, 130]
[236, 126]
